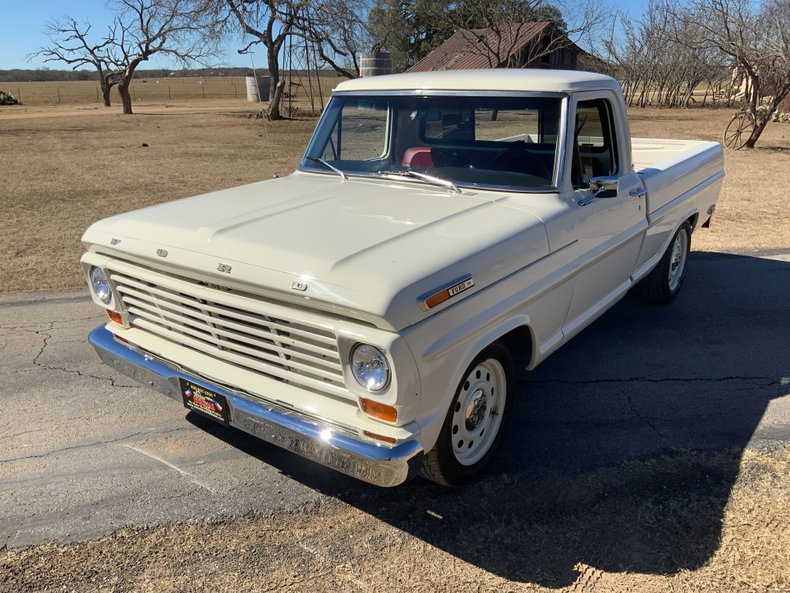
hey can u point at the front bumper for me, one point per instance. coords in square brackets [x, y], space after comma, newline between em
[312, 438]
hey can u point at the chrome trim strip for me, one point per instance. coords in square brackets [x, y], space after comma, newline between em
[561, 150]
[450, 92]
[312, 438]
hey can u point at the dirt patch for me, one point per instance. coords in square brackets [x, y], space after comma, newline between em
[646, 526]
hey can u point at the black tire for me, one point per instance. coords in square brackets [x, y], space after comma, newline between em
[478, 400]
[663, 284]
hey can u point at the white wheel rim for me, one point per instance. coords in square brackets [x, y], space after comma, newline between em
[477, 414]
[677, 261]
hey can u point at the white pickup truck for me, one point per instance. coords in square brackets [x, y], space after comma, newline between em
[444, 230]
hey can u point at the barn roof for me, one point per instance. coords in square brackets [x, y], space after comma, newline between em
[473, 48]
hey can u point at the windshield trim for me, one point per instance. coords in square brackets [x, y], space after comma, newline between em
[559, 151]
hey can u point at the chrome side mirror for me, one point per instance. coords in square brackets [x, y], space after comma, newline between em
[605, 185]
[601, 187]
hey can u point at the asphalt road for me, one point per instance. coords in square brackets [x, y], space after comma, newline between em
[84, 451]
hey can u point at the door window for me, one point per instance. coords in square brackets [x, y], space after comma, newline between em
[595, 143]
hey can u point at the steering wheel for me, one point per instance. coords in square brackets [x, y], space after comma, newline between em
[521, 160]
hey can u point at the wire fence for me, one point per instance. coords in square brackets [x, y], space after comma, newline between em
[149, 90]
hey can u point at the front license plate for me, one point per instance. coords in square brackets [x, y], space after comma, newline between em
[206, 402]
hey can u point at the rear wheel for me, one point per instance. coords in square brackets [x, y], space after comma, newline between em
[665, 281]
[474, 425]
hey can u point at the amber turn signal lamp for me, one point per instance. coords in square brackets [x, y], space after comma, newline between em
[437, 299]
[379, 410]
[115, 316]
[380, 437]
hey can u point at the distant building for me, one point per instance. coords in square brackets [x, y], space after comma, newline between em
[514, 45]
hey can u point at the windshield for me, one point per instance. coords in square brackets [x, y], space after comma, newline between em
[470, 141]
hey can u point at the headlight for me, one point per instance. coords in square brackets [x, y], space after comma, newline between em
[101, 287]
[370, 367]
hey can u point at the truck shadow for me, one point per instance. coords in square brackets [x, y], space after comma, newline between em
[623, 447]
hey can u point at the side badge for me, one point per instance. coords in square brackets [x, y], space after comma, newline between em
[439, 295]
[161, 252]
[299, 285]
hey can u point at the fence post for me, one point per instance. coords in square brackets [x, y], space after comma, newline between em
[58, 89]
[203, 86]
[169, 93]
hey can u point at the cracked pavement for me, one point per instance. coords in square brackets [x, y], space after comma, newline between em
[84, 451]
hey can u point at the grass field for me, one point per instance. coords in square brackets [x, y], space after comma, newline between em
[148, 90]
[70, 165]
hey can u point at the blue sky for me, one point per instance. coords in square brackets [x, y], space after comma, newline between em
[22, 24]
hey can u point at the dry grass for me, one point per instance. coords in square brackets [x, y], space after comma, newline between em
[64, 173]
[69, 166]
[752, 212]
[152, 90]
[667, 524]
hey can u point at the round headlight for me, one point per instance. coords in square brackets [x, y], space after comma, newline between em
[101, 287]
[370, 367]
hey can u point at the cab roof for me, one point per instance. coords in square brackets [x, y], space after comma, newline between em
[563, 81]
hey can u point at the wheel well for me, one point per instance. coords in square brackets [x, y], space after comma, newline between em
[519, 342]
[692, 220]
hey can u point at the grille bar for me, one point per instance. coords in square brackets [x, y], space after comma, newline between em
[164, 315]
[248, 317]
[242, 331]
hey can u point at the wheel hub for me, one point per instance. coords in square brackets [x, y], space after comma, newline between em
[476, 409]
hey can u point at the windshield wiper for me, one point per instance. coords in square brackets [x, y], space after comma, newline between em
[315, 159]
[445, 183]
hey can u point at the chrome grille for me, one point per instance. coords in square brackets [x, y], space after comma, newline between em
[240, 330]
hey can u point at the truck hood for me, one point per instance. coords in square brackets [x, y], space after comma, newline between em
[365, 248]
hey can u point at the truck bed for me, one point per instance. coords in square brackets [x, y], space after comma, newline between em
[672, 168]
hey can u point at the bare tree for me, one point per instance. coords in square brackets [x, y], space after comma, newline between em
[755, 37]
[70, 43]
[175, 28]
[337, 29]
[269, 23]
[656, 61]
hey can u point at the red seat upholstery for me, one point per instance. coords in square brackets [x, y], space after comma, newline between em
[417, 157]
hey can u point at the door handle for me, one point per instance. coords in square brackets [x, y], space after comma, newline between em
[639, 192]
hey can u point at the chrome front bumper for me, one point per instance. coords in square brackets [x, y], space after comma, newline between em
[309, 437]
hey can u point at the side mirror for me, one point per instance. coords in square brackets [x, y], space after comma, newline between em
[601, 187]
[605, 187]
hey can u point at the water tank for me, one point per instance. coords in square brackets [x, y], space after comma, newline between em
[258, 91]
[375, 64]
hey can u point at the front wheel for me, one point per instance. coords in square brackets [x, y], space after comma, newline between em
[664, 282]
[475, 422]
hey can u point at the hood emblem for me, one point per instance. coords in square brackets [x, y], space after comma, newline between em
[225, 268]
[114, 241]
[299, 285]
[161, 252]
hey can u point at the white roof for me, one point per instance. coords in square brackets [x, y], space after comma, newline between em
[500, 79]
